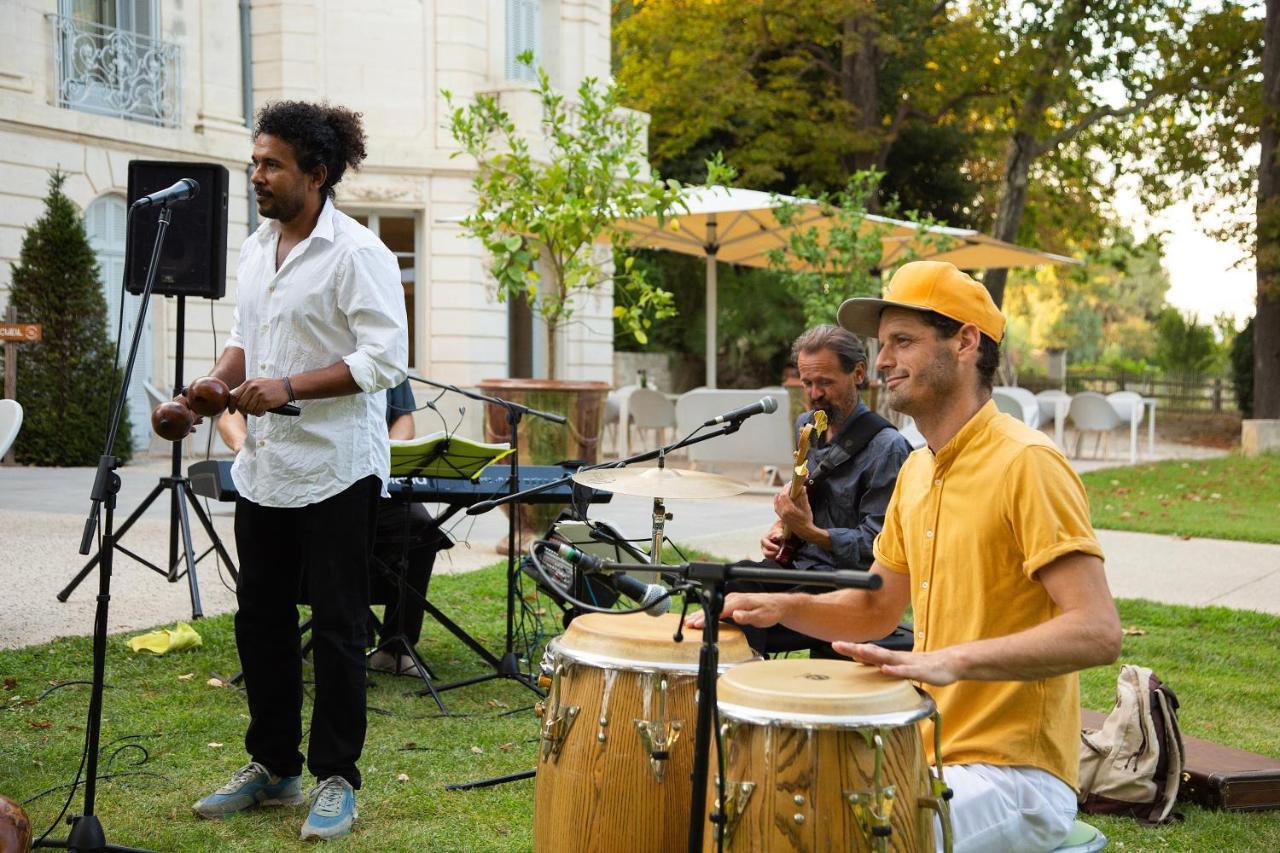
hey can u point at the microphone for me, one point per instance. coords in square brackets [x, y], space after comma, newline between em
[651, 596]
[183, 190]
[765, 406]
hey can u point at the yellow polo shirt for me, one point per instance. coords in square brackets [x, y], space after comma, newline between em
[972, 526]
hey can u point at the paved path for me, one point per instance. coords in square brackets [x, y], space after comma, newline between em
[42, 513]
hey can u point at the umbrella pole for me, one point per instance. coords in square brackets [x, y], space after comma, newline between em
[711, 301]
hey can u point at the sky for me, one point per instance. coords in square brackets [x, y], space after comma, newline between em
[1203, 274]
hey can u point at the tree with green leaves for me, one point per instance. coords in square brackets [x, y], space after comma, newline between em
[543, 209]
[68, 380]
[1083, 77]
[806, 92]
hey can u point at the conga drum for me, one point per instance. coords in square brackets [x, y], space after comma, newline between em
[616, 742]
[824, 755]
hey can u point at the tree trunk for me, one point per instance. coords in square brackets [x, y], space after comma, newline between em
[553, 351]
[860, 83]
[1013, 201]
[1266, 324]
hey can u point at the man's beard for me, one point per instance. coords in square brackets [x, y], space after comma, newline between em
[937, 381]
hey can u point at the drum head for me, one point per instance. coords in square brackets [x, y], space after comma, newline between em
[839, 692]
[641, 639]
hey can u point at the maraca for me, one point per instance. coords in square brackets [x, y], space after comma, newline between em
[208, 396]
[172, 420]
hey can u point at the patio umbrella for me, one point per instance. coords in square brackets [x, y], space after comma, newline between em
[740, 226]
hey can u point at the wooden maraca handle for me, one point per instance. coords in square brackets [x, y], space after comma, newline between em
[209, 396]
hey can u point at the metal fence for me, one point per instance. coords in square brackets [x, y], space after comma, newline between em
[117, 72]
[1208, 394]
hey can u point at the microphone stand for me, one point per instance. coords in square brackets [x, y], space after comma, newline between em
[86, 830]
[727, 428]
[509, 665]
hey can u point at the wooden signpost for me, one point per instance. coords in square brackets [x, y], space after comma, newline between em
[14, 333]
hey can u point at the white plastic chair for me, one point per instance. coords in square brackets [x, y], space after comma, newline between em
[1091, 412]
[1005, 403]
[1127, 404]
[651, 410]
[1028, 408]
[10, 423]
[1045, 400]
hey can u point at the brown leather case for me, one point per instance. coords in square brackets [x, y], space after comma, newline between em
[1219, 777]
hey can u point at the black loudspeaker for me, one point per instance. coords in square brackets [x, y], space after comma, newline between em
[193, 261]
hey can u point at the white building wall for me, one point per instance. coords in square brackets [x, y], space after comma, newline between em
[388, 59]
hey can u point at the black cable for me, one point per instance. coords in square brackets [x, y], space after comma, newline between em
[590, 608]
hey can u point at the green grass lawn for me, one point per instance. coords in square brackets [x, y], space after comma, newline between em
[1220, 662]
[1229, 497]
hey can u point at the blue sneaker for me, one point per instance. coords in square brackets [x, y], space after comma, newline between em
[251, 785]
[333, 810]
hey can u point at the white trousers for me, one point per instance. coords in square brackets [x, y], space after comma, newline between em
[997, 809]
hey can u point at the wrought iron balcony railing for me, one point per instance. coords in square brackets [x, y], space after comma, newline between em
[117, 72]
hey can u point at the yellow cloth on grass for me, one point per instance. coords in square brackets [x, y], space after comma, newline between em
[183, 636]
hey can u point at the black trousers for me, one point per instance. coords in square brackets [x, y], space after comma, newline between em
[404, 551]
[325, 546]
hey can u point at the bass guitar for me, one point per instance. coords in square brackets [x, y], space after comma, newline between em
[799, 475]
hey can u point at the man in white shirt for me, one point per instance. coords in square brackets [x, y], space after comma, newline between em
[319, 321]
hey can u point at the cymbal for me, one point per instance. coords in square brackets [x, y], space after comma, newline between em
[660, 482]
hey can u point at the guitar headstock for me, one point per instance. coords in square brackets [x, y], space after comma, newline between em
[820, 420]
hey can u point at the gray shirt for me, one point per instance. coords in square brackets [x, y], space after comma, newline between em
[850, 502]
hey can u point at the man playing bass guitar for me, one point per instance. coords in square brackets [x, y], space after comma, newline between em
[852, 465]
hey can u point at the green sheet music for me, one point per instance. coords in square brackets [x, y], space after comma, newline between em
[443, 455]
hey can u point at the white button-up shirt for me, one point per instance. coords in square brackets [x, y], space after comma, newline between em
[336, 296]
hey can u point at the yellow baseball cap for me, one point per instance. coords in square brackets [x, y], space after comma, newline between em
[927, 286]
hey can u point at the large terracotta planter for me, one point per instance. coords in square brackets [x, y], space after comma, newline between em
[542, 442]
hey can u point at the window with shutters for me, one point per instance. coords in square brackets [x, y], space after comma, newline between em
[523, 27]
[104, 222]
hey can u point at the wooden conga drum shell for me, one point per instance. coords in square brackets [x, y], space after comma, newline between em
[15, 827]
[597, 788]
[799, 737]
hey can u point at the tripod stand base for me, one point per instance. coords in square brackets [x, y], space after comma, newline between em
[86, 836]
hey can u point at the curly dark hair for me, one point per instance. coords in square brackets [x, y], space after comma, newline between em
[319, 134]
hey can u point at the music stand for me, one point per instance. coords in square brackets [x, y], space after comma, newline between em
[508, 666]
[180, 494]
[435, 455]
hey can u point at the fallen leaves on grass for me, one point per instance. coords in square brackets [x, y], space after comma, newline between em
[11, 683]
[213, 744]
[216, 682]
[1134, 631]
[187, 677]
[402, 777]
[39, 724]
[477, 750]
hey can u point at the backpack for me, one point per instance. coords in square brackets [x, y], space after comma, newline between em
[1133, 764]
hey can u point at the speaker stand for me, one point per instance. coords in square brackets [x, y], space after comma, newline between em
[180, 495]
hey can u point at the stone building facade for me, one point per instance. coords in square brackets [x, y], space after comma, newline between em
[88, 85]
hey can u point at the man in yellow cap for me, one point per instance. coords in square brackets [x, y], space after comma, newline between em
[988, 538]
